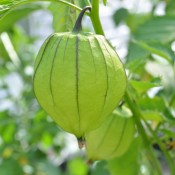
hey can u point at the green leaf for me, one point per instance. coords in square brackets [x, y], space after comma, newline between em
[63, 17]
[120, 15]
[153, 116]
[45, 167]
[77, 166]
[134, 20]
[156, 105]
[153, 104]
[100, 168]
[170, 7]
[17, 14]
[105, 2]
[6, 5]
[159, 28]
[9, 2]
[9, 132]
[142, 86]
[136, 53]
[159, 49]
[168, 116]
[167, 132]
[47, 139]
[10, 167]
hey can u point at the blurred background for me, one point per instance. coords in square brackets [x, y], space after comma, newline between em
[143, 33]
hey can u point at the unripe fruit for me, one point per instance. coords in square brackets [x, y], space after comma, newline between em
[111, 139]
[78, 80]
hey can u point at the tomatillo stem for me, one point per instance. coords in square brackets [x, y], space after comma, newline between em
[78, 26]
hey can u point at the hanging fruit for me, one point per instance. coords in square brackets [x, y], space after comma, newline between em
[112, 138]
[78, 79]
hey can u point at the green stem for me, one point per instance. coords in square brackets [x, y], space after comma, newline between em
[171, 162]
[27, 1]
[173, 96]
[172, 100]
[95, 17]
[137, 117]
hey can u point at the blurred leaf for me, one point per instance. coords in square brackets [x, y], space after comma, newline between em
[156, 105]
[159, 28]
[77, 167]
[160, 49]
[100, 168]
[7, 152]
[136, 58]
[134, 20]
[169, 116]
[47, 139]
[142, 86]
[80, 3]
[168, 133]
[47, 130]
[17, 14]
[128, 163]
[170, 7]
[44, 167]
[104, 2]
[120, 15]
[10, 167]
[8, 133]
[153, 104]
[153, 116]
[63, 17]
[39, 116]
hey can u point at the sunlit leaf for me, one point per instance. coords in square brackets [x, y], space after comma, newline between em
[63, 17]
[153, 116]
[142, 86]
[47, 139]
[8, 133]
[77, 166]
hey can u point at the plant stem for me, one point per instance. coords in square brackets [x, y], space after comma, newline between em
[173, 96]
[78, 26]
[94, 15]
[168, 157]
[137, 117]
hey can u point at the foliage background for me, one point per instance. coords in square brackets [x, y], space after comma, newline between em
[144, 36]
